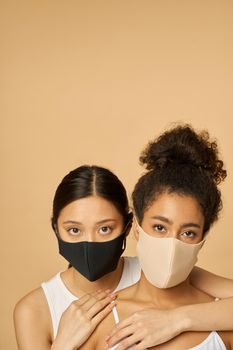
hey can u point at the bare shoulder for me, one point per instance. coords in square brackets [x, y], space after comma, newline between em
[32, 321]
[212, 284]
[32, 305]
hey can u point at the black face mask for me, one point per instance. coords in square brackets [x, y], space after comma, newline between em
[93, 259]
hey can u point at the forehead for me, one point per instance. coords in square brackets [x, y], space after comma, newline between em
[91, 206]
[175, 206]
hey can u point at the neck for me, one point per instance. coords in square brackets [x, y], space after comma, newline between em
[163, 298]
[79, 285]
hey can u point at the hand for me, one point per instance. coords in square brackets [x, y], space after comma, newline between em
[81, 318]
[145, 328]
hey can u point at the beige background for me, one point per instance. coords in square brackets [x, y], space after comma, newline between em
[91, 82]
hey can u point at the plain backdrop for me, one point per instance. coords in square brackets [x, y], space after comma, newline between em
[91, 82]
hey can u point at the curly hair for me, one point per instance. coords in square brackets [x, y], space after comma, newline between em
[185, 162]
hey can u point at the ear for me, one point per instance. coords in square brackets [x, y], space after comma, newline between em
[54, 227]
[128, 224]
[135, 229]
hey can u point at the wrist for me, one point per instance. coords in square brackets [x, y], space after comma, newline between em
[182, 319]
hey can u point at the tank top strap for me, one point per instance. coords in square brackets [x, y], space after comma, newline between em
[115, 315]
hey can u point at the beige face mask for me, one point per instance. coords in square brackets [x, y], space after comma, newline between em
[166, 262]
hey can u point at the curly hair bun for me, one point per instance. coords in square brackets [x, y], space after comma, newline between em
[183, 146]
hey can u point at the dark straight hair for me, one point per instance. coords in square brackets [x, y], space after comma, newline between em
[86, 181]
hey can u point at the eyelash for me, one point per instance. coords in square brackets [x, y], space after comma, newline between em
[155, 227]
[74, 233]
[159, 225]
[193, 234]
[105, 233]
[77, 233]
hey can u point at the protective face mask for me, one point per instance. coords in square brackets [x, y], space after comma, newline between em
[93, 259]
[166, 262]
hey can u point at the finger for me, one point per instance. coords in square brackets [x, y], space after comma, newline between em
[136, 347]
[99, 294]
[99, 305]
[88, 296]
[132, 341]
[82, 300]
[102, 314]
[140, 346]
[120, 325]
[120, 335]
[102, 295]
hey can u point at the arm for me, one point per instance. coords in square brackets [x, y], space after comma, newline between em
[217, 315]
[34, 329]
[159, 326]
[152, 327]
[32, 322]
[216, 286]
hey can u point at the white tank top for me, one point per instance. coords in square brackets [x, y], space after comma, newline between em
[212, 342]
[59, 297]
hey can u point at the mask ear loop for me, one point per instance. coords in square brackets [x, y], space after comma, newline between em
[124, 244]
[127, 228]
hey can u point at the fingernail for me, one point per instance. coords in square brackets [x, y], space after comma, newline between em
[112, 304]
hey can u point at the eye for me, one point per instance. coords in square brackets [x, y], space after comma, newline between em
[105, 230]
[189, 234]
[159, 228]
[74, 231]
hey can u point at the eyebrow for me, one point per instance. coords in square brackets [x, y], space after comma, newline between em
[72, 222]
[162, 218]
[106, 220]
[79, 223]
